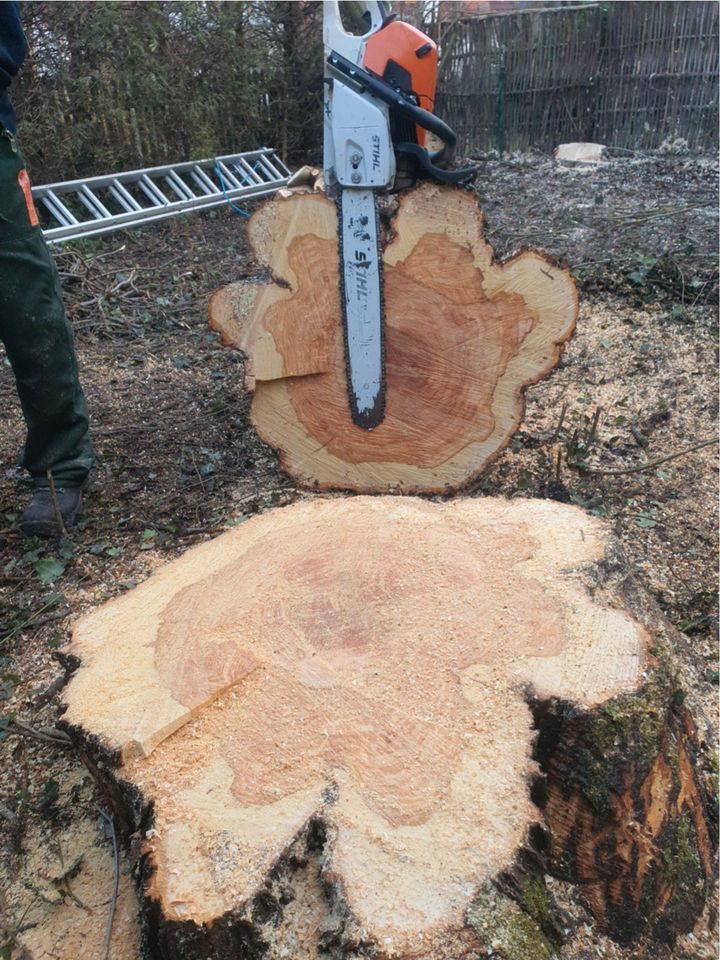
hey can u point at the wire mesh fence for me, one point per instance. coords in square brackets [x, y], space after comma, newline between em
[627, 74]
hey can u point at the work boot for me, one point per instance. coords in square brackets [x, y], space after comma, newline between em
[40, 516]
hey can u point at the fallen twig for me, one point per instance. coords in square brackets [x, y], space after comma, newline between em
[50, 618]
[56, 506]
[116, 883]
[45, 734]
[649, 465]
[7, 814]
[46, 695]
[33, 618]
[559, 426]
[30, 620]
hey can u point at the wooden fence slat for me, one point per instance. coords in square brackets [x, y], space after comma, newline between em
[629, 75]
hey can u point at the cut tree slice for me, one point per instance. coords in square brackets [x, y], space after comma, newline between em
[326, 717]
[464, 336]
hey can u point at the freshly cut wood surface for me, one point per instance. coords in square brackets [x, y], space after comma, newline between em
[330, 713]
[464, 337]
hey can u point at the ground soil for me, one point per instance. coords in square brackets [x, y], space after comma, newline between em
[637, 224]
[178, 462]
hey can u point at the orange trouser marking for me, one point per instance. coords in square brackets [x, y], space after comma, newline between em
[24, 182]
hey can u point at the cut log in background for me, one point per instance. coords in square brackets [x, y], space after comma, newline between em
[370, 726]
[464, 337]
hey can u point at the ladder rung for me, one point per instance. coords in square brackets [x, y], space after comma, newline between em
[204, 182]
[93, 203]
[84, 207]
[152, 191]
[126, 200]
[267, 165]
[234, 182]
[239, 172]
[284, 169]
[179, 186]
[252, 174]
[151, 214]
[60, 210]
[53, 211]
[261, 171]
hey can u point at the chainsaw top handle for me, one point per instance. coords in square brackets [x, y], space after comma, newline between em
[423, 118]
[373, 15]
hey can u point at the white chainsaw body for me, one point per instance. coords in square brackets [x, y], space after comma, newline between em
[358, 149]
[358, 161]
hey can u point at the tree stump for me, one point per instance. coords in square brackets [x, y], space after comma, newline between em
[464, 336]
[368, 727]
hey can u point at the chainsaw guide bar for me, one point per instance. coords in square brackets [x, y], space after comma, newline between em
[361, 293]
[380, 79]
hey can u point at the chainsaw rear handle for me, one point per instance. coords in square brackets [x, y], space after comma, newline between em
[422, 118]
[383, 91]
[425, 161]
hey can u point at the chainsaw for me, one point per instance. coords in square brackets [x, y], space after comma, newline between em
[379, 92]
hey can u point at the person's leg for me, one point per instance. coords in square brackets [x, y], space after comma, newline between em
[39, 343]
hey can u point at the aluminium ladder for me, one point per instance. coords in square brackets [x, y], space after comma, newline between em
[86, 208]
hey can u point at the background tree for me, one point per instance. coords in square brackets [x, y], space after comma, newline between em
[111, 86]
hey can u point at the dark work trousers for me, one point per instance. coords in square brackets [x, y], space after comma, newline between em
[37, 335]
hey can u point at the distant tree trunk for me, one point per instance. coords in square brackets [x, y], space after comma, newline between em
[137, 140]
[292, 16]
[151, 83]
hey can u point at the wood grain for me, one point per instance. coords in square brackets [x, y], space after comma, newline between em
[464, 337]
[353, 687]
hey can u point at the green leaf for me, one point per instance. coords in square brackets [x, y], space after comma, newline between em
[49, 569]
[4, 726]
[66, 549]
[51, 788]
[647, 523]
[234, 521]
[524, 481]
[113, 551]
[149, 534]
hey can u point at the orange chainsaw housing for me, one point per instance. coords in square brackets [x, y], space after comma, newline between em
[400, 45]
